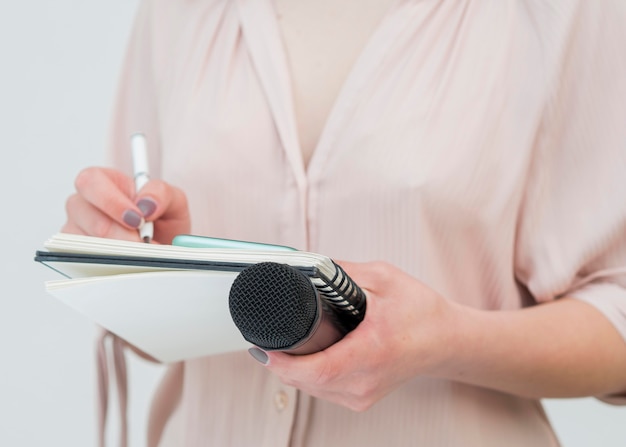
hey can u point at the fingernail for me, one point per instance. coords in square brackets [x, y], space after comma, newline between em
[259, 355]
[147, 206]
[132, 218]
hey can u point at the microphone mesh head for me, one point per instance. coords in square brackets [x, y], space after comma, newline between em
[273, 305]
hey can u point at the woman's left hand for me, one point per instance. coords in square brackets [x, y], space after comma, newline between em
[406, 331]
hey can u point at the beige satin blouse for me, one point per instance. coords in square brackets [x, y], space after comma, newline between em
[480, 145]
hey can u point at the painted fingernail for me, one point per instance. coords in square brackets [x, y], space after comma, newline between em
[147, 206]
[259, 355]
[132, 218]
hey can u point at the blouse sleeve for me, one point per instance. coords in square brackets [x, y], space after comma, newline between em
[135, 107]
[571, 238]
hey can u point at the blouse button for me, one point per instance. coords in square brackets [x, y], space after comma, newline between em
[281, 400]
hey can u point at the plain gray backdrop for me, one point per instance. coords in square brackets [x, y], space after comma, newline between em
[59, 65]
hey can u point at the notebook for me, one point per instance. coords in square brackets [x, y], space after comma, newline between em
[172, 301]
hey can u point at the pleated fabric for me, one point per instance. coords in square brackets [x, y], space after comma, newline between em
[479, 145]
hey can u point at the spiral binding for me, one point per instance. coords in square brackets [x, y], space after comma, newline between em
[343, 295]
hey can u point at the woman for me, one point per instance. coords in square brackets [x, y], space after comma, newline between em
[475, 149]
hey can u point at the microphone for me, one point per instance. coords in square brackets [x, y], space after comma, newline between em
[277, 308]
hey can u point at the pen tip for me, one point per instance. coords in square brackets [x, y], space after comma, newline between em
[146, 239]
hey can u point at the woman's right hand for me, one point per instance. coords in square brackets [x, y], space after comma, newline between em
[105, 205]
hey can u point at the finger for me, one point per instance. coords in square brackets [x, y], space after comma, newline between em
[319, 369]
[84, 218]
[321, 377]
[111, 192]
[301, 371]
[71, 228]
[372, 276]
[158, 199]
[337, 375]
[166, 205]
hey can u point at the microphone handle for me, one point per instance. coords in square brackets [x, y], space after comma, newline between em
[327, 331]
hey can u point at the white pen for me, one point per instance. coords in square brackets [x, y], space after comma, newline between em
[140, 171]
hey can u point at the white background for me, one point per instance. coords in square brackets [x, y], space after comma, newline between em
[59, 64]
